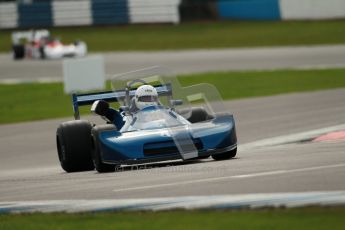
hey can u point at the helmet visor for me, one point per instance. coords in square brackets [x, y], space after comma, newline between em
[148, 99]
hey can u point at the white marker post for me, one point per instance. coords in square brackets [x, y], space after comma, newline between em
[83, 74]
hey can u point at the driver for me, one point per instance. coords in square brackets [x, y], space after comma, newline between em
[145, 96]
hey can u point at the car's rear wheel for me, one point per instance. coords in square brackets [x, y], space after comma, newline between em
[96, 151]
[74, 146]
[18, 52]
[195, 114]
[225, 156]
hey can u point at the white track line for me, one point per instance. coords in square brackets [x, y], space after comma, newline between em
[288, 171]
[256, 200]
[269, 173]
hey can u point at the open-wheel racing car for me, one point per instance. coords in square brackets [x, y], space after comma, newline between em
[38, 44]
[156, 132]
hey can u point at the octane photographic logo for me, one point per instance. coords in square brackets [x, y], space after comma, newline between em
[172, 167]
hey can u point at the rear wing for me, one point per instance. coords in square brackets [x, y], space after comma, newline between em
[112, 96]
[30, 35]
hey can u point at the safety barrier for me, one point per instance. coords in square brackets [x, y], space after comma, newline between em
[249, 9]
[46, 13]
[70, 13]
[312, 9]
[281, 9]
[110, 12]
[153, 11]
[30, 15]
[8, 15]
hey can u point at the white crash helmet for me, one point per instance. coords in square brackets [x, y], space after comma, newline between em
[146, 95]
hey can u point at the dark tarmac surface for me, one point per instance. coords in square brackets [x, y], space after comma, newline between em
[184, 62]
[29, 168]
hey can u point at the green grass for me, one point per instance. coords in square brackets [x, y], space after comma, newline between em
[200, 35]
[233, 85]
[304, 218]
[33, 101]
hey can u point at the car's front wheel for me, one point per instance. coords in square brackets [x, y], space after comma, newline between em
[74, 146]
[225, 156]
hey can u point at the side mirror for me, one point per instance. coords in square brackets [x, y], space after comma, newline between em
[176, 102]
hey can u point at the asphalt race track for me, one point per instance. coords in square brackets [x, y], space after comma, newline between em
[192, 61]
[29, 168]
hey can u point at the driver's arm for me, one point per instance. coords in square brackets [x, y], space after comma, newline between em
[102, 108]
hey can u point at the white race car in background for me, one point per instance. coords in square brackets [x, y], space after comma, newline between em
[38, 44]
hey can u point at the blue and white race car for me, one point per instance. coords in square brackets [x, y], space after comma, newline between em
[153, 133]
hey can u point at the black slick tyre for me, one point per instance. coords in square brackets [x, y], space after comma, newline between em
[73, 140]
[225, 156]
[18, 52]
[42, 52]
[196, 114]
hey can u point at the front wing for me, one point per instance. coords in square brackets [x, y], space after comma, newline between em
[211, 137]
